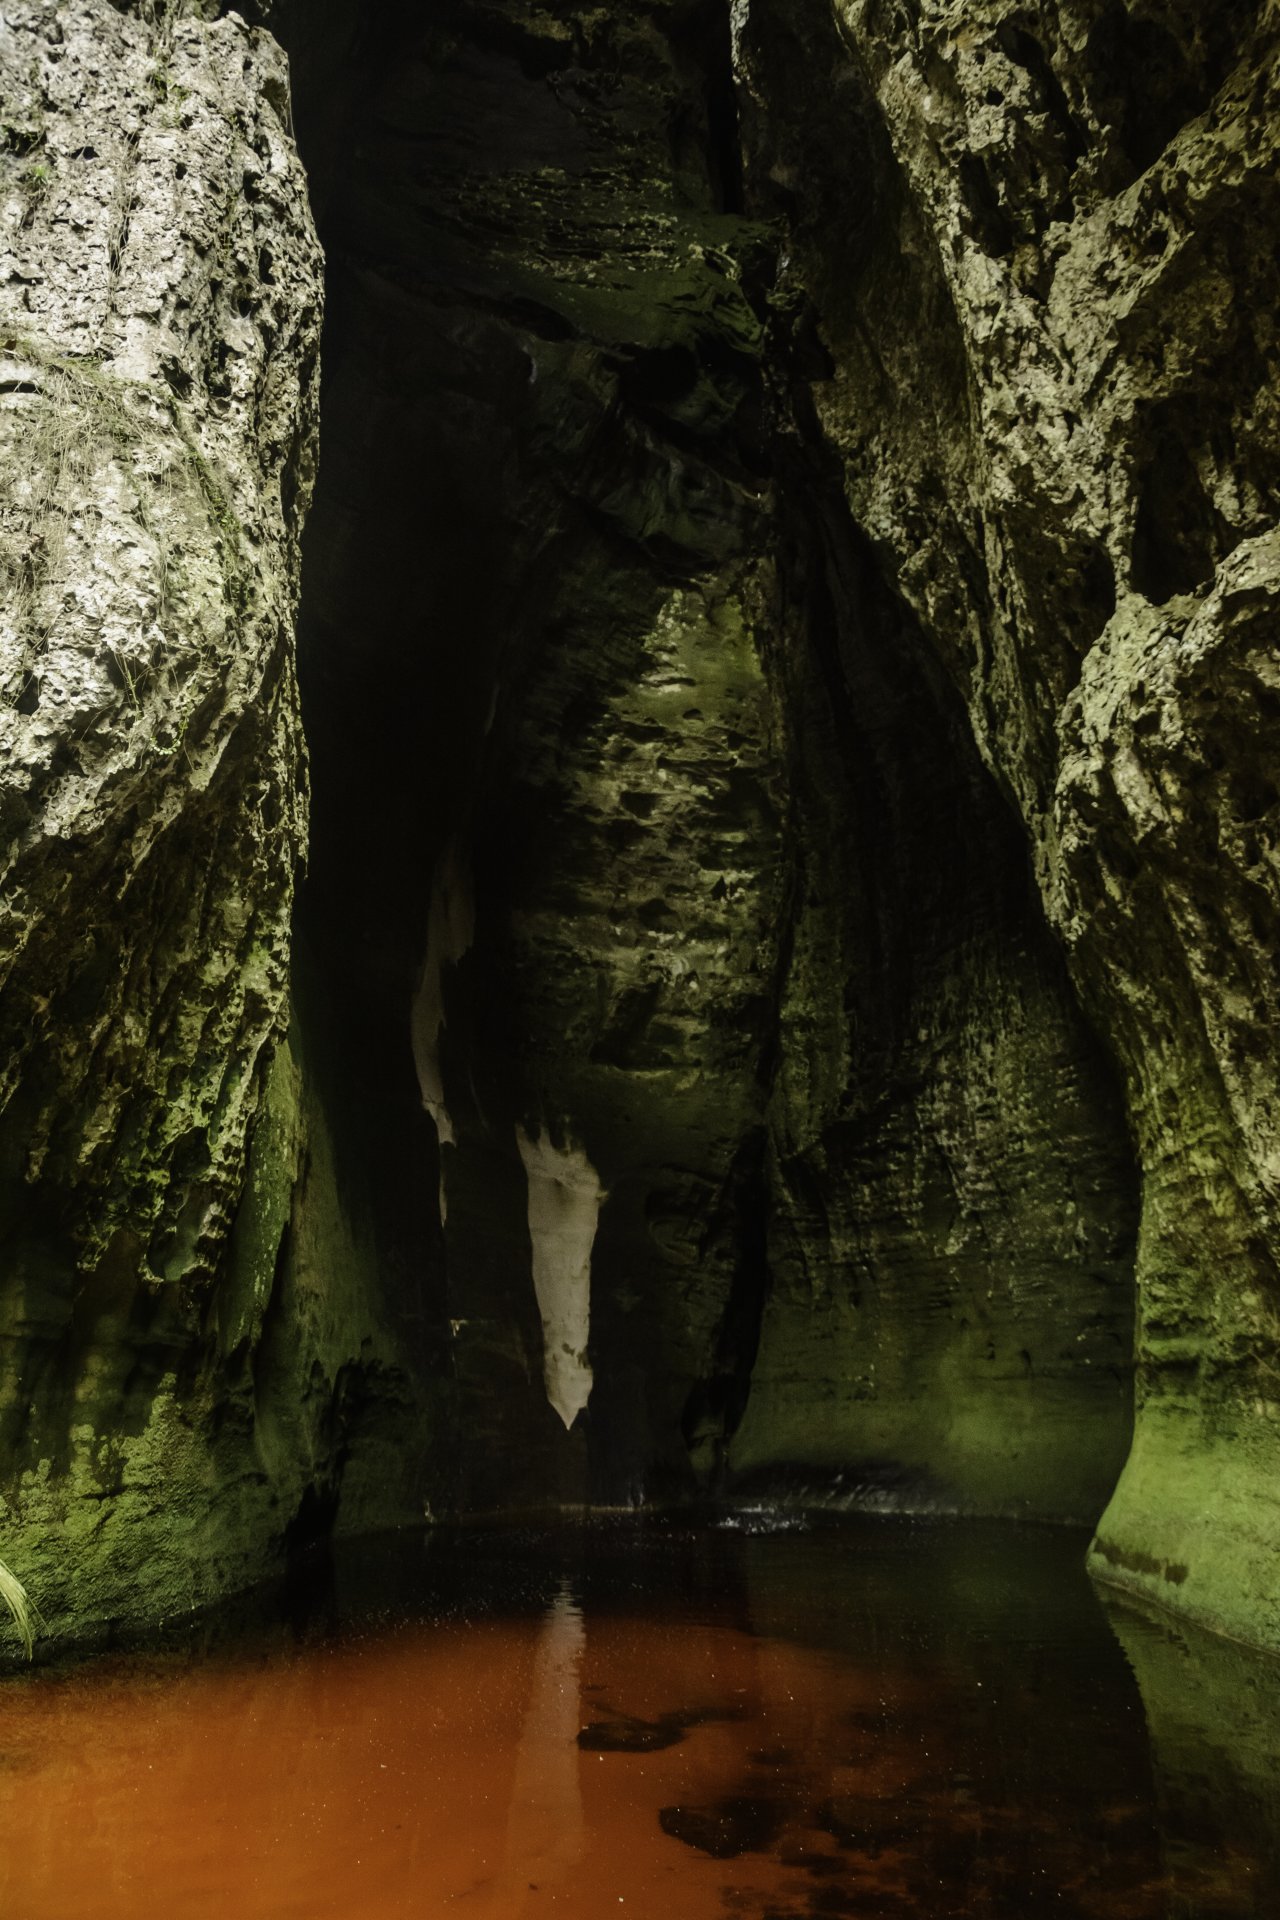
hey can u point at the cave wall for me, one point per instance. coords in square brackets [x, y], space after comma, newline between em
[542, 527]
[182, 1362]
[948, 1321]
[670, 847]
[1068, 470]
[784, 654]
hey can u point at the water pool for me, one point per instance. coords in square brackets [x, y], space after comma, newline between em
[875, 1719]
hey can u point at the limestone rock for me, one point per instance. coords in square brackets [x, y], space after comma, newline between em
[786, 648]
[159, 333]
[675, 842]
[1043, 262]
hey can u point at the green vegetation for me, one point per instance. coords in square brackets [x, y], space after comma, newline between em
[26, 1617]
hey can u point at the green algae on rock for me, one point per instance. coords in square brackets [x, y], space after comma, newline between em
[159, 336]
[1068, 469]
[787, 650]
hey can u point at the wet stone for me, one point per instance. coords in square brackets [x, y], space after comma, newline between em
[627, 1733]
[864, 1826]
[727, 1829]
[630, 1736]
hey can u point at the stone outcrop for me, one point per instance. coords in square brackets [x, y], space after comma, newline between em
[170, 1340]
[1041, 255]
[788, 952]
[675, 836]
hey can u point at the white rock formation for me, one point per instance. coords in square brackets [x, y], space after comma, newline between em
[564, 1207]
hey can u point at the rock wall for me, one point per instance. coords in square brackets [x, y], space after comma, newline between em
[950, 1233]
[1039, 246]
[785, 654]
[549, 856]
[673, 836]
[176, 1345]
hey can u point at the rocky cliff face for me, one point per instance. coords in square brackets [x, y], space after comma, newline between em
[935, 351]
[170, 1348]
[677, 840]
[1041, 260]
[783, 648]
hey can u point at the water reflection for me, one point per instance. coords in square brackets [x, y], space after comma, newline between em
[878, 1721]
[546, 1832]
[1214, 1715]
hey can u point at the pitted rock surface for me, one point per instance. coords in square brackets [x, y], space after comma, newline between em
[1053, 397]
[166, 1360]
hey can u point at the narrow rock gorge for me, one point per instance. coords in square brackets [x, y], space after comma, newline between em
[640, 794]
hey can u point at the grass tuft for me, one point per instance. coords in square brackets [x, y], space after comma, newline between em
[25, 1616]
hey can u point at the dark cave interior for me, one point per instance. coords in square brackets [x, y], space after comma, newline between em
[591, 644]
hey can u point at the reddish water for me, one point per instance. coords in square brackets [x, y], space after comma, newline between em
[881, 1724]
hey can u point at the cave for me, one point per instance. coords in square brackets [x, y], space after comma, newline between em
[677, 845]
[642, 888]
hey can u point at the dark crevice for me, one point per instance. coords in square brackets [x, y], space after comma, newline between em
[1179, 536]
[991, 225]
[724, 137]
[1148, 81]
[715, 1406]
[1026, 51]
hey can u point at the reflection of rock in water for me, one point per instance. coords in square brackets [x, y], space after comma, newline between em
[727, 1829]
[545, 1829]
[1213, 1710]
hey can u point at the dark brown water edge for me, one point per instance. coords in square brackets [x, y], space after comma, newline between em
[875, 1718]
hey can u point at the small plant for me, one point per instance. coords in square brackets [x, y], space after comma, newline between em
[25, 1616]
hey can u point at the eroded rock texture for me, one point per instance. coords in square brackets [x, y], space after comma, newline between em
[787, 654]
[674, 832]
[1040, 245]
[170, 1349]
[552, 853]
